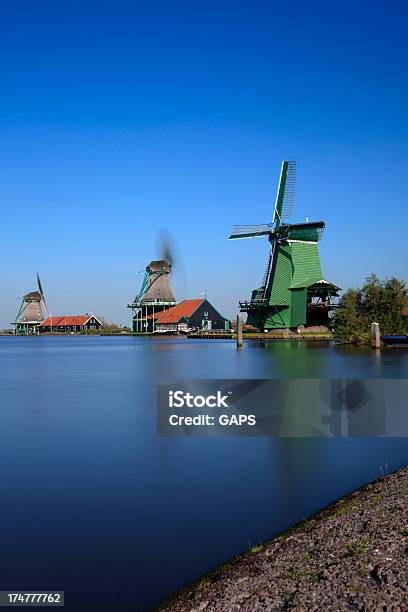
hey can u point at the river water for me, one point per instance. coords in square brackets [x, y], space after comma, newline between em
[94, 503]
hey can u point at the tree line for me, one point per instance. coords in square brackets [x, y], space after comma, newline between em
[381, 301]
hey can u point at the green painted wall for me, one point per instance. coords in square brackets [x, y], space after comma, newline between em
[278, 320]
[298, 264]
[298, 307]
[306, 262]
[282, 273]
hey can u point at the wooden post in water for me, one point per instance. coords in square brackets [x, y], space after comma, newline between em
[239, 332]
[375, 336]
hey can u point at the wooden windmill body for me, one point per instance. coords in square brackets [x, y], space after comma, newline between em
[294, 292]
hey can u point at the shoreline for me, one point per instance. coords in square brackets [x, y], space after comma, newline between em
[351, 555]
[190, 336]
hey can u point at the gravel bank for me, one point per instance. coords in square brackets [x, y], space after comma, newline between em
[353, 555]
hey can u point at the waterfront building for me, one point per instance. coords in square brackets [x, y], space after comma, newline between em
[155, 296]
[293, 292]
[69, 324]
[190, 315]
[31, 312]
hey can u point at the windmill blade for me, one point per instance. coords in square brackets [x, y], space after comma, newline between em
[41, 292]
[40, 289]
[143, 287]
[45, 305]
[166, 246]
[286, 192]
[250, 231]
[267, 275]
[171, 251]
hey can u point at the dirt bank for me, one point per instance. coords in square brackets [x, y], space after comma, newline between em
[352, 555]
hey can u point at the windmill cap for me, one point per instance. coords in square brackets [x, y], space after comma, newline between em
[33, 295]
[160, 265]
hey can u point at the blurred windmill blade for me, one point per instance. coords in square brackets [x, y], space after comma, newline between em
[166, 246]
[169, 250]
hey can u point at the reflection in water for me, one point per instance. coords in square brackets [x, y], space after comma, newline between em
[86, 480]
[294, 485]
[292, 356]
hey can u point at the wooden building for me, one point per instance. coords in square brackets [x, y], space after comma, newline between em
[189, 315]
[154, 296]
[69, 324]
[294, 293]
[30, 314]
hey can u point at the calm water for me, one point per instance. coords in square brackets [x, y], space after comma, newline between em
[94, 503]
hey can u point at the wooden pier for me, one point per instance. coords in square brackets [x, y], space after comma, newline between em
[223, 335]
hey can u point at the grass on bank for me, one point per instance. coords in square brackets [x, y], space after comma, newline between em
[355, 548]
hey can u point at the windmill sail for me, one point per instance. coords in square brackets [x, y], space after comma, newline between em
[41, 292]
[268, 272]
[40, 289]
[286, 192]
[250, 231]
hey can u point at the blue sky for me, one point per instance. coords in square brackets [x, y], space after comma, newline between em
[120, 118]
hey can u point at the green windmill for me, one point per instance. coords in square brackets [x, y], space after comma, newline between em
[293, 291]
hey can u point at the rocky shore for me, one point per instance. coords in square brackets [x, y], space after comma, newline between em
[353, 555]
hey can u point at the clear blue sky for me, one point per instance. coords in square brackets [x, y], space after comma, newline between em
[119, 118]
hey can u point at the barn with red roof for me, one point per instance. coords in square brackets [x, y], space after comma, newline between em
[69, 324]
[186, 316]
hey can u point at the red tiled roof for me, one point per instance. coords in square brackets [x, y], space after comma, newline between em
[175, 313]
[65, 321]
[51, 321]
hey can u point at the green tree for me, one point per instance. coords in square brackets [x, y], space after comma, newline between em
[376, 300]
[348, 320]
[394, 301]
